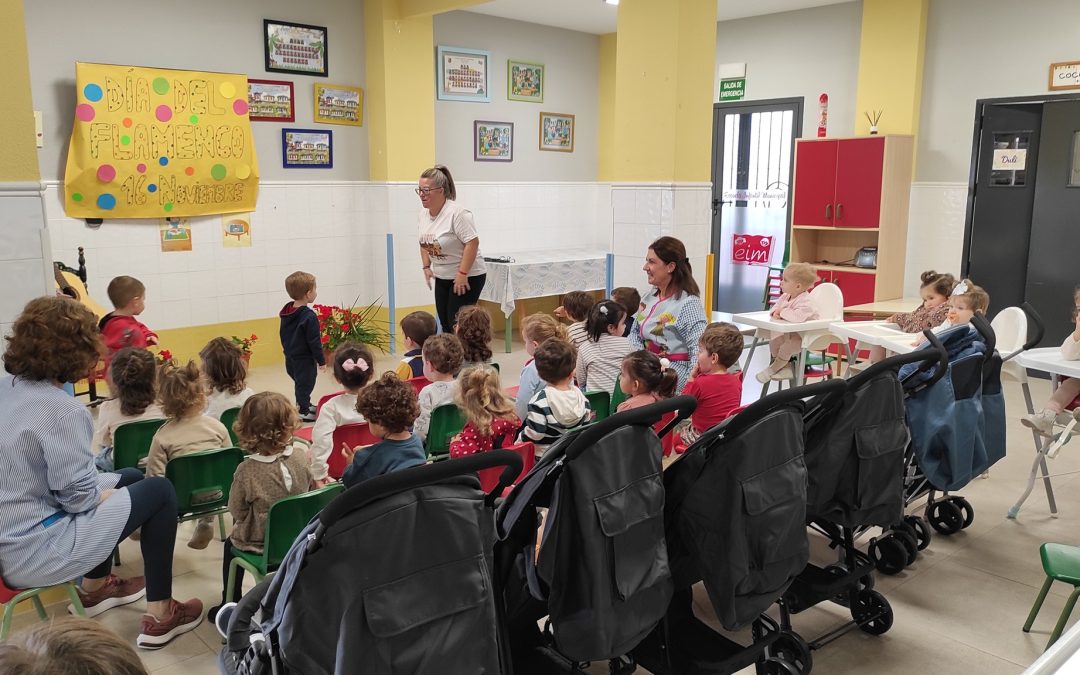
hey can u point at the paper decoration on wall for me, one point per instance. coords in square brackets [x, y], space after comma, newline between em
[751, 249]
[236, 231]
[175, 234]
[151, 143]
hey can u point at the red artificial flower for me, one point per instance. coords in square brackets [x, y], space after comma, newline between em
[165, 354]
[325, 339]
[345, 327]
[253, 337]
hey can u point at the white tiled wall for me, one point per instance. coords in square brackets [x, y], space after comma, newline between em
[24, 250]
[643, 212]
[935, 231]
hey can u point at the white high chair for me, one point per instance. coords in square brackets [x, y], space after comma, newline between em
[828, 299]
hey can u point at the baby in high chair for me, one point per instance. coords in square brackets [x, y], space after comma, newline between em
[793, 306]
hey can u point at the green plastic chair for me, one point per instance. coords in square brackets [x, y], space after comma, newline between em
[1061, 563]
[600, 401]
[202, 481]
[447, 421]
[13, 596]
[617, 396]
[228, 418]
[131, 442]
[286, 519]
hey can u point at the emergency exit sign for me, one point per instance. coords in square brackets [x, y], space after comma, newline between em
[732, 90]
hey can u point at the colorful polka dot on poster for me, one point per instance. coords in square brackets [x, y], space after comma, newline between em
[84, 112]
[92, 92]
[243, 171]
[240, 107]
[163, 113]
[161, 86]
[194, 119]
[106, 201]
[125, 140]
[227, 89]
[77, 197]
[190, 171]
[218, 172]
[164, 161]
[127, 122]
[106, 173]
[167, 207]
[152, 187]
[140, 167]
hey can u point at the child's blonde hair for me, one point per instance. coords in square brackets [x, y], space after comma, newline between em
[539, 327]
[223, 364]
[266, 423]
[71, 644]
[801, 273]
[978, 300]
[481, 398]
[180, 390]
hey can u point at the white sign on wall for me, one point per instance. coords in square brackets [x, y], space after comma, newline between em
[1065, 75]
[1009, 160]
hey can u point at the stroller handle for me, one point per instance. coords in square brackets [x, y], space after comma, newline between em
[763, 406]
[937, 356]
[1037, 322]
[682, 406]
[418, 476]
[239, 627]
[983, 327]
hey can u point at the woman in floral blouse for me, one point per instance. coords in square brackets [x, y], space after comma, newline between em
[671, 318]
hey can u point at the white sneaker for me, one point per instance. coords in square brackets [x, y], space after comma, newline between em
[1042, 422]
[785, 373]
[764, 376]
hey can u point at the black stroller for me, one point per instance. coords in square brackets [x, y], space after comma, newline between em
[395, 575]
[735, 520]
[957, 426]
[855, 444]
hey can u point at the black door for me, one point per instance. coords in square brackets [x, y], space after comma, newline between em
[995, 252]
[1053, 271]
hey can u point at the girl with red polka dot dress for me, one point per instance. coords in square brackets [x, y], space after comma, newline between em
[490, 421]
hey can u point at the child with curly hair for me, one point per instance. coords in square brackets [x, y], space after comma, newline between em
[275, 468]
[354, 366]
[226, 374]
[489, 413]
[134, 377]
[183, 398]
[390, 407]
[473, 328]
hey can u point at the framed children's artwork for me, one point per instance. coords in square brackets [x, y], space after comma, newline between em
[556, 132]
[271, 101]
[493, 141]
[295, 48]
[307, 149]
[339, 104]
[524, 81]
[463, 74]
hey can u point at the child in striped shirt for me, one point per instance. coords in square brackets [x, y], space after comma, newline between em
[559, 406]
[600, 358]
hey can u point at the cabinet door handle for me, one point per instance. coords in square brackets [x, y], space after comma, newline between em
[828, 212]
[839, 211]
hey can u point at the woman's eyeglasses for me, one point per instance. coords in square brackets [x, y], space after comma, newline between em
[424, 191]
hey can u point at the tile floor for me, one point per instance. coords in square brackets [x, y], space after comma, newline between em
[958, 610]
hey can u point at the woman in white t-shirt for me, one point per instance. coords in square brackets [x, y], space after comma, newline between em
[449, 246]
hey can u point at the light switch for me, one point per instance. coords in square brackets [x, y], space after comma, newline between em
[39, 129]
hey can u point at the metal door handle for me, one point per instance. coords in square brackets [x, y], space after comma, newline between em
[839, 211]
[828, 211]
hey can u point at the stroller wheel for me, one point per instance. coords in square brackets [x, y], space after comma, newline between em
[945, 517]
[889, 555]
[920, 529]
[793, 649]
[909, 542]
[966, 509]
[624, 665]
[873, 613]
[777, 666]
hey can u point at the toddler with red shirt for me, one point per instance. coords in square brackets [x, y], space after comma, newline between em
[718, 392]
[490, 420]
[119, 328]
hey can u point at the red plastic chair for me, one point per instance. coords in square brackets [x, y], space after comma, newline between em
[489, 478]
[419, 383]
[9, 597]
[512, 392]
[351, 435]
[304, 433]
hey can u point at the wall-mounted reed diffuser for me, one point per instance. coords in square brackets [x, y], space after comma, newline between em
[874, 120]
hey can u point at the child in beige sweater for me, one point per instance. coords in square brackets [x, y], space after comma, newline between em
[183, 399]
[274, 469]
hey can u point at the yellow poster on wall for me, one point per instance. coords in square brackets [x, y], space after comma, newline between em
[153, 143]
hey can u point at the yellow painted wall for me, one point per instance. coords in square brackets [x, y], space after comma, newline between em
[663, 90]
[432, 7]
[891, 52]
[606, 108]
[18, 159]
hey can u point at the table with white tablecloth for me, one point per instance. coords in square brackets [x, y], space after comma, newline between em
[538, 274]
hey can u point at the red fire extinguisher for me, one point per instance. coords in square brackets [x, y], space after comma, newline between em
[823, 115]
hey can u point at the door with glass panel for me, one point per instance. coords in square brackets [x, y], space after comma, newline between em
[753, 143]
